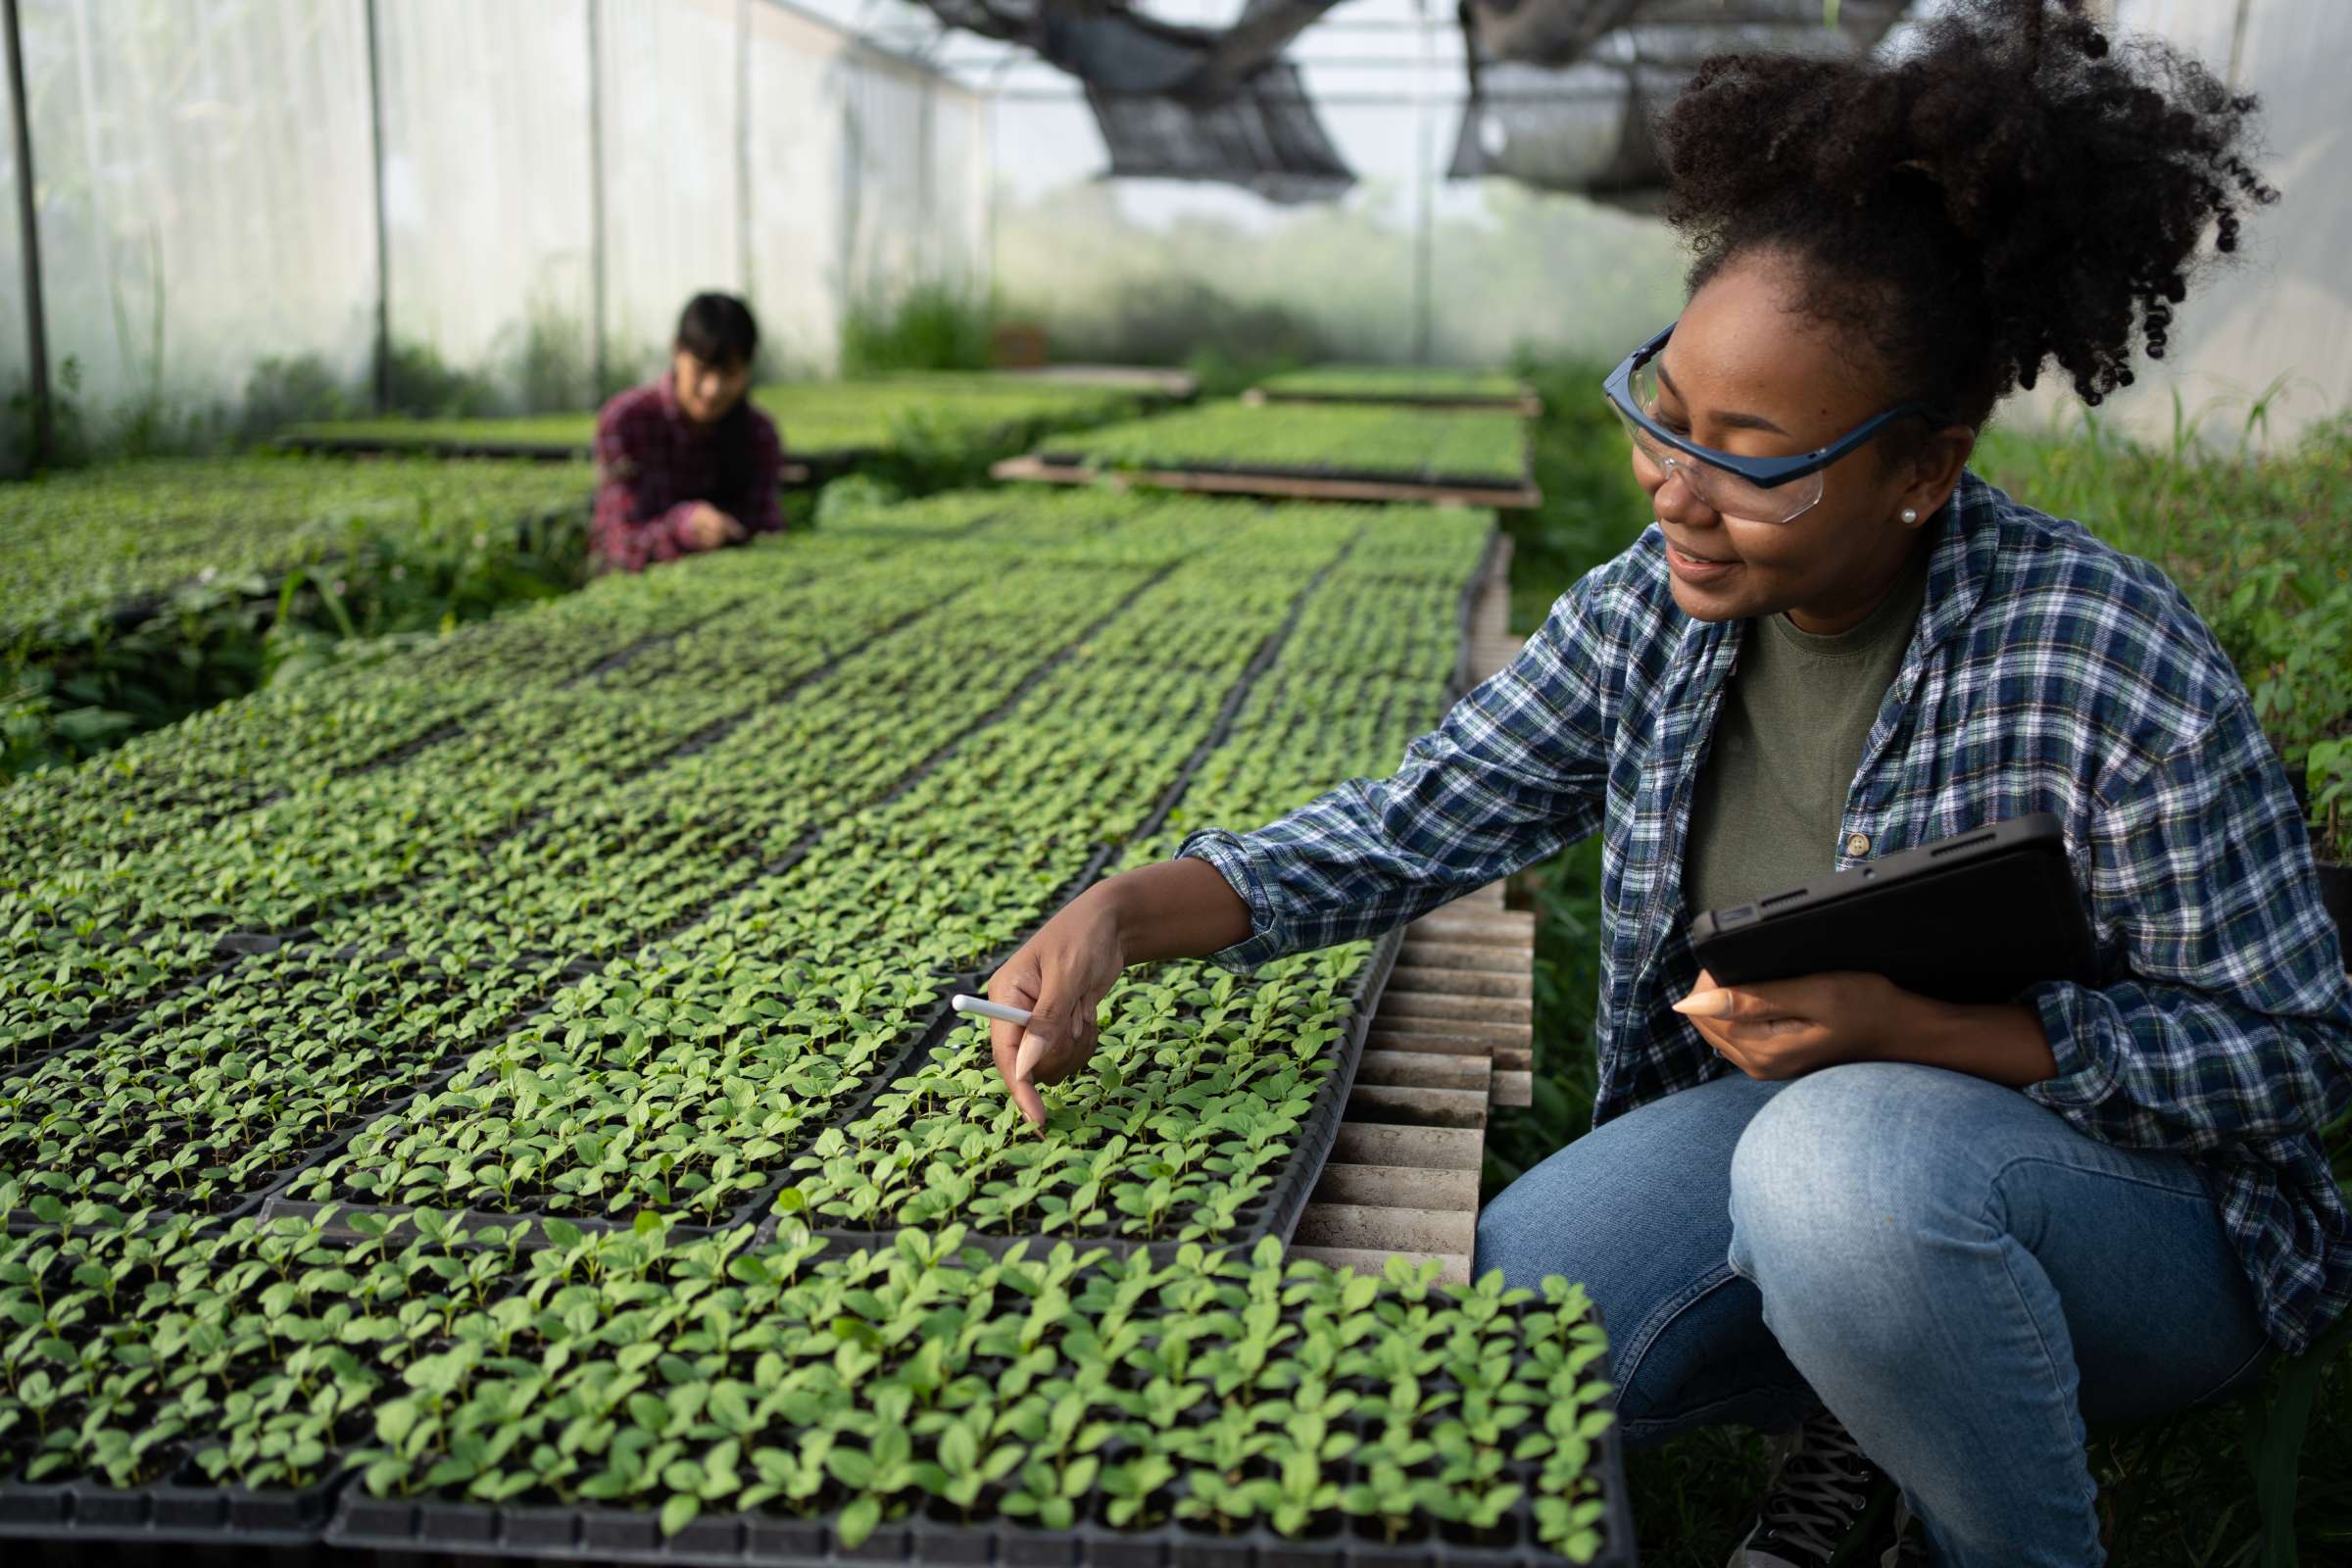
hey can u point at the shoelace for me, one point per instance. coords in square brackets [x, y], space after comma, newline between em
[1824, 1483]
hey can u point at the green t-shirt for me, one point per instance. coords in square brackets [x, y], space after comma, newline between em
[1789, 736]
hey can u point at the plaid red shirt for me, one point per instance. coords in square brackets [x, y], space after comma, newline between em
[654, 465]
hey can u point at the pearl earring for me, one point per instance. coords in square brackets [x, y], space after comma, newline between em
[1910, 515]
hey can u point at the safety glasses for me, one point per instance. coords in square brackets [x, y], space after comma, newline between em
[1752, 489]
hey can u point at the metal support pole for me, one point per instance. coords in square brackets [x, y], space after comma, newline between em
[2238, 46]
[383, 233]
[1424, 198]
[28, 228]
[926, 234]
[596, 199]
[742, 146]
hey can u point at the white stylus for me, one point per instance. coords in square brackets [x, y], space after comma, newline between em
[989, 1010]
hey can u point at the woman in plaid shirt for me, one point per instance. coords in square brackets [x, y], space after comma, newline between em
[1925, 1241]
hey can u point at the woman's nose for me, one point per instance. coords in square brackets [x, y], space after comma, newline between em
[1675, 501]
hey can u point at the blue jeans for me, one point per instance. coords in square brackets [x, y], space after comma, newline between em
[1958, 1274]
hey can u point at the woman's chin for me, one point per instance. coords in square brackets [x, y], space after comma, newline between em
[1707, 602]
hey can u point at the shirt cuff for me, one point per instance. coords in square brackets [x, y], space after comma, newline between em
[2085, 1077]
[1231, 857]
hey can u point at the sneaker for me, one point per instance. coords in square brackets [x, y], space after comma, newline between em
[1828, 1506]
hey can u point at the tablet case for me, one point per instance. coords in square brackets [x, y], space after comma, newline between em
[1976, 917]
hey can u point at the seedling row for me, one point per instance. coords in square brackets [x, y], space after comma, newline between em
[1422, 385]
[1406, 445]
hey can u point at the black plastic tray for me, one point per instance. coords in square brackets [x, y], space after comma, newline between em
[1463, 680]
[596, 1534]
[235, 1517]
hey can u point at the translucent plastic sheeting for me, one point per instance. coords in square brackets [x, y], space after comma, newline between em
[963, 137]
[2283, 314]
[867, 173]
[795, 143]
[673, 218]
[204, 180]
[486, 189]
[901, 180]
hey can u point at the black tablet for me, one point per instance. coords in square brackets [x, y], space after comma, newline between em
[1976, 917]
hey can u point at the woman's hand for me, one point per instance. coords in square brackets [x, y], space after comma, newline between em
[1060, 975]
[1788, 1028]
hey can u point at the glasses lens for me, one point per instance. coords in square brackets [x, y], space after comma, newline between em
[1643, 384]
[1734, 497]
[1718, 489]
[1646, 448]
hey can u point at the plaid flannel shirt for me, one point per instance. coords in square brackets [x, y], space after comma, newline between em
[654, 465]
[2049, 673]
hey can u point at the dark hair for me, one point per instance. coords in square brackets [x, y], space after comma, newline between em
[718, 330]
[2010, 190]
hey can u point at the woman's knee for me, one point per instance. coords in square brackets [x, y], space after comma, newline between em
[1856, 1167]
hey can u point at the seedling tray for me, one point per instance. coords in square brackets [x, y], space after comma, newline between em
[582, 1535]
[1274, 1213]
[938, 1019]
[1472, 590]
[1524, 401]
[1507, 492]
[1415, 476]
[933, 1533]
[800, 467]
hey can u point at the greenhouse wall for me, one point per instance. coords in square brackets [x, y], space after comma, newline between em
[2270, 330]
[2280, 321]
[488, 184]
[204, 185]
[208, 197]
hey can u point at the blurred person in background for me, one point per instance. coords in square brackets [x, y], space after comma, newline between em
[686, 463]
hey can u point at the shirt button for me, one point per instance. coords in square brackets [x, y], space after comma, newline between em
[1857, 843]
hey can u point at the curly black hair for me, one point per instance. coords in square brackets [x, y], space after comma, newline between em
[2013, 189]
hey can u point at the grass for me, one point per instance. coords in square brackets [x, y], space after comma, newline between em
[2261, 546]
[2177, 1492]
[930, 327]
